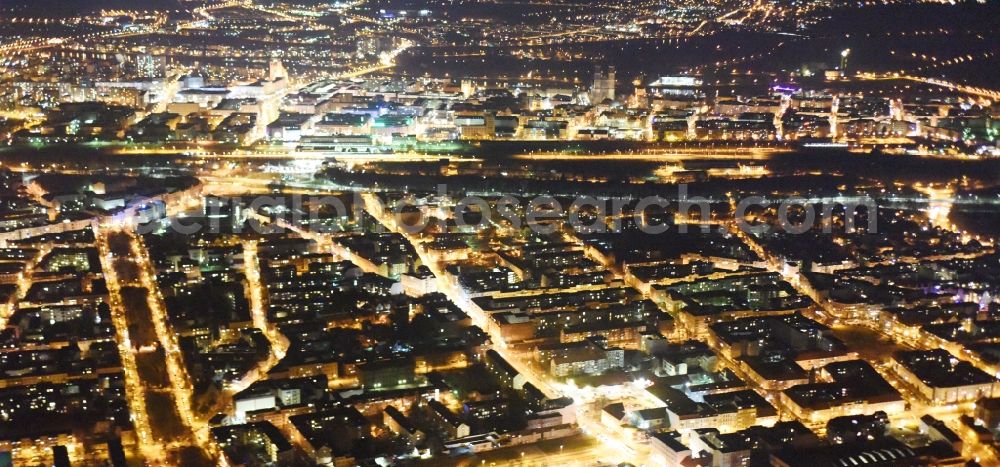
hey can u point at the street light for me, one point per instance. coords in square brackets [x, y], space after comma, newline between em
[843, 59]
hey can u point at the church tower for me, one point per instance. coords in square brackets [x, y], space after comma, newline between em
[604, 85]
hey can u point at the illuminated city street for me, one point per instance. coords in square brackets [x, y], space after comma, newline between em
[499, 233]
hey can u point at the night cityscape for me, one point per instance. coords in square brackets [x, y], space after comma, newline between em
[699, 233]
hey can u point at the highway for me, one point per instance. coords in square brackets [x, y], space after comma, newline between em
[991, 94]
[386, 61]
[665, 155]
[963, 88]
[204, 12]
[704, 23]
[39, 43]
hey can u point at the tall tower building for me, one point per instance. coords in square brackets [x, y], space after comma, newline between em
[468, 88]
[276, 70]
[150, 66]
[639, 98]
[604, 85]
